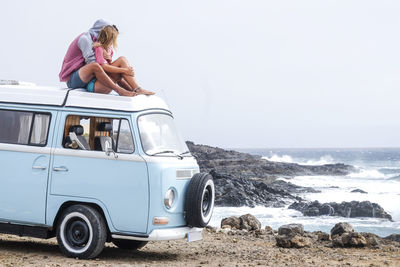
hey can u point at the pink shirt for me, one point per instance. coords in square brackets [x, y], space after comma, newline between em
[73, 60]
[99, 52]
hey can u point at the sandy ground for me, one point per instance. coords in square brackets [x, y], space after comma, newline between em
[216, 249]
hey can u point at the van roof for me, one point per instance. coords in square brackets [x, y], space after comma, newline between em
[28, 94]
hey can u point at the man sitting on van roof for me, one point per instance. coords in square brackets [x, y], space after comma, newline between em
[79, 66]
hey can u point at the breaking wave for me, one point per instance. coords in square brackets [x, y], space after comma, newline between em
[369, 174]
[327, 159]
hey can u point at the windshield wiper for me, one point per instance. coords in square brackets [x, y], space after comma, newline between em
[167, 151]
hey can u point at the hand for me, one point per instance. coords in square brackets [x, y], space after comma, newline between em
[129, 71]
[106, 56]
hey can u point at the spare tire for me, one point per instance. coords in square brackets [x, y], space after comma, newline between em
[199, 200]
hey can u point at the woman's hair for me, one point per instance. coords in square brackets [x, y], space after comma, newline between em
[107, 37]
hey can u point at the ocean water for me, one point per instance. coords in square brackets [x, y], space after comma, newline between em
[378, 173]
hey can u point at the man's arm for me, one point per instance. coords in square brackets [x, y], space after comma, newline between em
[85, 44]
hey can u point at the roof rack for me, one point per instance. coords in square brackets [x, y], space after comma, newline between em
[77, 98]
[15, 82]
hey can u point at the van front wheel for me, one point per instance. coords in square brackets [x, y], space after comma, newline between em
[129, 244]
[81, 232]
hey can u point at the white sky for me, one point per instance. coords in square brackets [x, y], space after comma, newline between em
[237, 73]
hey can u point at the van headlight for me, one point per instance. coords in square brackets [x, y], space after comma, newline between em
[169, 198]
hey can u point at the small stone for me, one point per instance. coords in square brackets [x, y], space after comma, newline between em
[324, 236]
[268, 228]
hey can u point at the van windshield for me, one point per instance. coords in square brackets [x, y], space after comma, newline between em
[159, 136]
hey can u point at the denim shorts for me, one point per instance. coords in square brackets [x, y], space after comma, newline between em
[75, 81]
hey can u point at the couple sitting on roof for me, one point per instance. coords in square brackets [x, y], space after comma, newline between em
[88, 63]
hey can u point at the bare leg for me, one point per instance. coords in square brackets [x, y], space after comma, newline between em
[117, 77]
[91, 70]
[101, 88]
[124, 84]
[122, 62]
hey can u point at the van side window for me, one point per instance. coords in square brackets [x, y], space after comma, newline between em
[92, 133]
[24, 127]
[124, 141]
[40, 129]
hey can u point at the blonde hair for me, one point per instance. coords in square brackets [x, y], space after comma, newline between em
[107, 37]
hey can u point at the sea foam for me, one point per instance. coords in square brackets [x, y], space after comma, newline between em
[327, 159]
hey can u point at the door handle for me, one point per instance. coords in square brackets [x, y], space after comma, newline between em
[60, 169]
[39, 167]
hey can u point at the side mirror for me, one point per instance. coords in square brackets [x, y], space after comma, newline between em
[108, 148]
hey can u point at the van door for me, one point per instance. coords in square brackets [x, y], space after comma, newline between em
[25, 144]
[82, 169]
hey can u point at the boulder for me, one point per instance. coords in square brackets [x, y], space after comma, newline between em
[245, 222]
[341, 228]
[295, 241]
[291, 229]
[249, 223]
[350, 239]
[292, 236]
[372, 240]
[233, 222]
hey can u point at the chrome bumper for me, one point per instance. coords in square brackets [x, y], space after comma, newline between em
[164, 234]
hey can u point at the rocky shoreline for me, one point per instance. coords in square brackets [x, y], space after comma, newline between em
[247, 180]
[242, 179]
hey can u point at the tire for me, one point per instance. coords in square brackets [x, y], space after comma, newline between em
[81, 232]
[129, 244]
[199, 200]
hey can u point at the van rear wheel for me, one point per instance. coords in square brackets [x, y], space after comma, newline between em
[81, 232]
[129, 244]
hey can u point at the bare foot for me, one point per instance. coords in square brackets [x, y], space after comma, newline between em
[128, 93]
[142, 91]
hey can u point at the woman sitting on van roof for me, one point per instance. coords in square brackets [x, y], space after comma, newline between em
[119, 70]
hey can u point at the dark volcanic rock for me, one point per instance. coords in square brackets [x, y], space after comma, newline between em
[296, 241]
[233, 222]
[344, 209]
[358, 191]
[291, 229]
[292, 236]
[242, 179]
[393, 237]
[243, 165]
[351, 239]
[236, 192]
[245, 222]
[249, 222]
[341, 228]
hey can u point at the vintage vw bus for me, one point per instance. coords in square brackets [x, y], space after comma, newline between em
[92, 168]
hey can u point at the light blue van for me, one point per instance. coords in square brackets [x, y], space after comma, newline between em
[92, 168]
